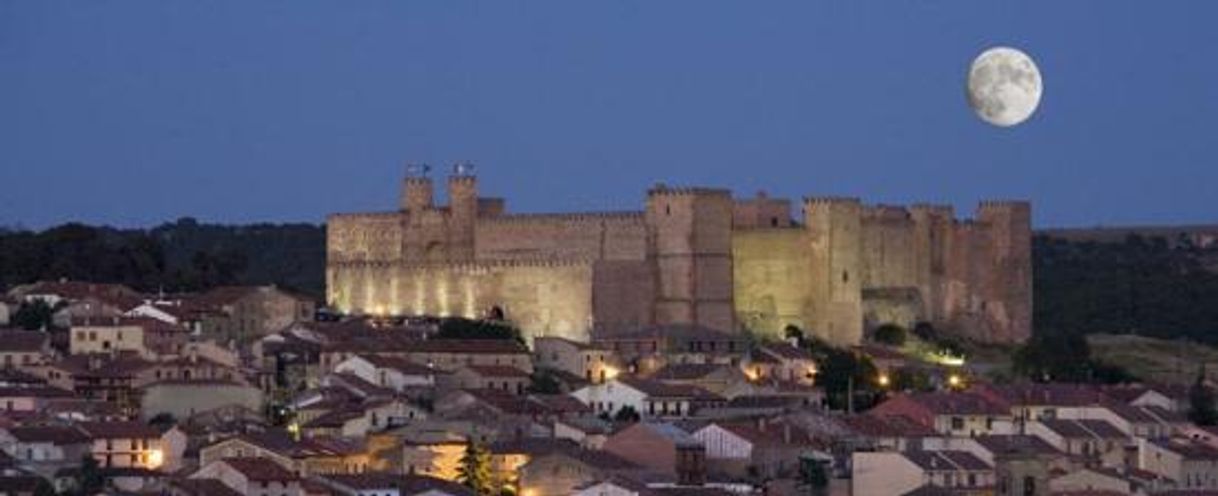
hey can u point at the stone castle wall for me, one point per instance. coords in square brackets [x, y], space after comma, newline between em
[691, 256]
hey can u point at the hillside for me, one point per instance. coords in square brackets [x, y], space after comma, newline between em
[1155, 360]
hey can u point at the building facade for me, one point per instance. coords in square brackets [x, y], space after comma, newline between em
[691, 256]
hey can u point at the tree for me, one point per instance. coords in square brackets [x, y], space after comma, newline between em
[890, 334]
[841, 372]
[462, 328]
[543, 382]
[793, 331]
[1054, 356]
[163, 420]
[627, 414]
[812, 476]
[474, 471]
[89, 480]
[1201, 408]
[33, 315]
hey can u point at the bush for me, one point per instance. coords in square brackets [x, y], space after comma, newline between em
[890, 334]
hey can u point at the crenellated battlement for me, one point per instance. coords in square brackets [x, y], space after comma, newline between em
[577, 217]
[885, 213]
[662, 189]
[832, 200]
[1004, 204]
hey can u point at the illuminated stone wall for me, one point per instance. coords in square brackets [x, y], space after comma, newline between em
[771, 279]
[600, 236]
[542, 298]
[692, 255]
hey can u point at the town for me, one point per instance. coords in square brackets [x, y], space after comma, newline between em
[261, 391]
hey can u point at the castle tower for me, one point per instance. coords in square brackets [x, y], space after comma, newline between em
[932, 233]
[417, 193]
[834, 247]
[689, 238]
[463, 212]
[1007, 285]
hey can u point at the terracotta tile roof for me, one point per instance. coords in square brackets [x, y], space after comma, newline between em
[1012, 443]
[1051, 394]
[402, 365]
[532, 446]
[787, 352]
[59, 435]
[260, 469]
[123, 364]
[560, 403]
[471, 346]
[202, 487]
[335, 418]
[763, 401]
[119, 430]
[1083, 428]
[686, 371]
[887, 426]
[1190, 449]
[23, 341]
[947, 460]
[948, 403]
[115, 294]
[34, 392]
[497, 371]
[769, 436]
[661, 390]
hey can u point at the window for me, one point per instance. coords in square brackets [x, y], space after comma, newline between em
[1029, 486]
[957, 423]
[773, 221]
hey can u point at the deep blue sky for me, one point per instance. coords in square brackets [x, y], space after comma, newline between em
[135, 112]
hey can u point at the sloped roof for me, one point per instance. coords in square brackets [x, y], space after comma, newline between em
[1083, 428]
[23, 341]
[119, 430]
[662, 390]
[687, 371]
[260, 469]
[58, 435]
[946, 460]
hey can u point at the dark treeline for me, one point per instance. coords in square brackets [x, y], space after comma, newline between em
[1144, 286]
[1147, 286]
[180, 256]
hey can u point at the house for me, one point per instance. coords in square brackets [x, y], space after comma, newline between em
[112, 378]
[716, 378]
[501, 377]
[950, 413]
[252, 476]
[559, 473]
[385, 484]
[782, 362]
[646, 350]
[1081, 480]
[245, 313]
[593, 362]
[441, 354]
[588, 431]
[24, 349]
[125, 444]
[29, 399]
[1096, 441]
[903, 472]
[44, 449]
[305, 456]
[79, 299]
[185, 398]
[1188, 464]
[767, 449]
[663, 447]
[394, 373]
[888, 432]
[1146, 421]
[146, 337]
[1036, 401]
[649, 398]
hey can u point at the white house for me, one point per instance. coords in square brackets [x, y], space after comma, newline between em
[648, 398]
[900, 473]
[252, 476]
[389, 372]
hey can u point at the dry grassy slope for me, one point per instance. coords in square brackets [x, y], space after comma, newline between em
[1155, 359]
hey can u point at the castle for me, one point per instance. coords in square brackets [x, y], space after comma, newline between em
[691, 256]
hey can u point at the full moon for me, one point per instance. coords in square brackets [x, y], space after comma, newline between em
[1004, 86]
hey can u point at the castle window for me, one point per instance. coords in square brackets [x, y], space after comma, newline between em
[667, 209]
[845, 276]
[773, 221]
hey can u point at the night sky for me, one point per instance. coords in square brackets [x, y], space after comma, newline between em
[136, 112]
